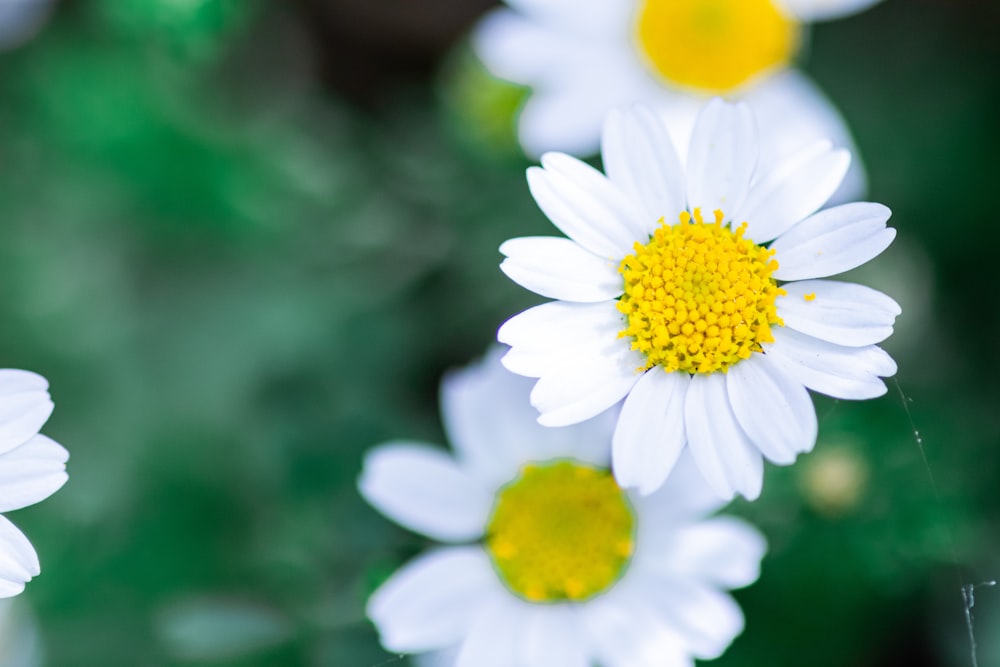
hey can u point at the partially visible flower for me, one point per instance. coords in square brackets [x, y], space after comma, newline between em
[20, 644]
[21, 20]
[585, 57]
[32, 467]
[549, 561]
[690, 292]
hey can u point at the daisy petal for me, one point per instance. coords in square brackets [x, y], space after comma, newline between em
[833, 241]
[685, 497]
[639, 157]
[708, 620]
[793, 190]
[543, 338]
[725, 456]
[551, 637]
[650, 435]
[558, 268]
[821, 10]
[430, 602]
[723, 551]
[31, 473]
[774, 410]
[25, 406]
[838, 371]
[842, 313]
[423, 489]
[494, 635]
[580, 214]
[587, 386]
[18, 560]
[722, 157]
[628, 632]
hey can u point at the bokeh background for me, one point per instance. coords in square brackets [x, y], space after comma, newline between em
[244, 239]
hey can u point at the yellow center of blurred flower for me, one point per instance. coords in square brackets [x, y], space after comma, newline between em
[698, 297]
[715, 45]
[560, 531]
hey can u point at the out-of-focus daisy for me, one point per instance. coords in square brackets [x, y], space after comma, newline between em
[32, 467]
[691, 292]
[584, 57]
[550, 562]
[21, 20]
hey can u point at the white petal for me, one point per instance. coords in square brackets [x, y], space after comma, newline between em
[821, 10]
[587, 386]
[792, 190]
[32, 472]
[834, 370]
[518, 49]
[18, 560]
[833, 241]
[545, 337]
[423, 489]
[684, 497]
[842, 313]
[551, 638]
[723, 551]
[774, 410]
[793, 112]
[650, 433]
[722, 157]
[579, 214]
[558, 268]
[494, 429]
[726, 457]
[493, 636]
[624, 210]
[708, 620]
[628, 632]
[430, 602]
[640, 158]
[24, 406]
[590, 17]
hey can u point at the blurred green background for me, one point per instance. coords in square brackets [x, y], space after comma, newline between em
[243, 240]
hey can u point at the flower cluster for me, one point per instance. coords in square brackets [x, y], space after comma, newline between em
[691, 313]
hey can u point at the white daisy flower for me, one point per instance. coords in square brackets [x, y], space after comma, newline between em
[583, 58]
[691, 292]
[32, 468]
[549, 562]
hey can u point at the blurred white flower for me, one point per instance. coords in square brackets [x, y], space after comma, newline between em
[32, 468]
[584, 57]
[20, 645]
[710, 329]
[565, 568]
[20, 20]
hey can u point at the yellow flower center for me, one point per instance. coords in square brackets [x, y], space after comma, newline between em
[698, 297]
[561, 530]
[715, 45]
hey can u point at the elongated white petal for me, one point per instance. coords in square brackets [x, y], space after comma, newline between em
[580, 214]
[494, 634]
[650, 433]
[725, 456]
[707, 619]
[551, 636]
[547, 337]
[833, 241]
[793, 190]
[722, 157]
[32, 472]
[774, 410]
[843, 313]
[586, 387]
[640, 158]
[558, 268]
[24, 406]
[723, 551]
[18, 560]
[423, 489]
[822, 10]
[628, 632]
[683, 498]
[834, 370]
[430, 602]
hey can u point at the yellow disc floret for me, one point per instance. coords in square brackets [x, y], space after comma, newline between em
[714, 45]
[561, 530]
[698, 297]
